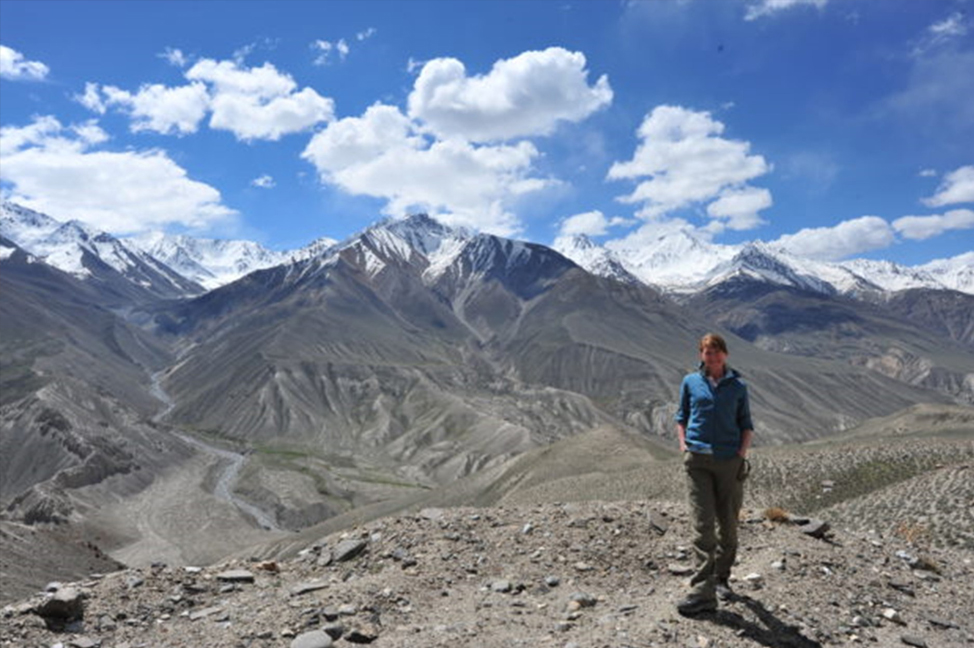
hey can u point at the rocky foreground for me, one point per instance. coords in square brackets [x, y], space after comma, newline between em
[585, 574]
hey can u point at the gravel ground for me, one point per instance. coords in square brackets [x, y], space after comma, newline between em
[579, 574]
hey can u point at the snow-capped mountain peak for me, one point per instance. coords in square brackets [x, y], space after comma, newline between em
[318, 247]
[956, 273]
[24, 226]
[594, 258]
[674, 259]
[208, 262]
[418, 240]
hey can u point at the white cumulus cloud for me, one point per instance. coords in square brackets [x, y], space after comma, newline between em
[840, 241]
[231, 77]
[460, 152]
[957, 187]
[159, 108]
[919, 228]
[57, 170]
[738, 209]
[764, 8]
[382, 154]
[591, 223]
[256, 103]
[259, 102]
[15, 67]
[524, 96]
[682, 160]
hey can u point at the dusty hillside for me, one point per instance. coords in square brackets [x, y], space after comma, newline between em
[583, 574]
[31, 555]
[598, 517]
[862, 466]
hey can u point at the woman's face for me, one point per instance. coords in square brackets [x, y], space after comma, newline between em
[713, 360]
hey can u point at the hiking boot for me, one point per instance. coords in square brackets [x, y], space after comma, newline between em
[724, 591]
[696, 604]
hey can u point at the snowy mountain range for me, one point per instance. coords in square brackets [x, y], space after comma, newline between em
[681, 263]
[75, 248]
[676, 262]
[191, 265]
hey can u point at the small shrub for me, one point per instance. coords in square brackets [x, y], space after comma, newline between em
[776, 514]
[912, 532]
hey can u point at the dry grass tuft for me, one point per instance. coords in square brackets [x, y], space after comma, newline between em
[913, 532]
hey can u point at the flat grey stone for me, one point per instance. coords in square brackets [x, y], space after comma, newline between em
[903, 586]
[657, 523]
[83, 642]
[348, 549]
[236, 576]
[942, 623]
[313, 639]
[431, 514]
[308, 586]
[205, 612]
[583, 599]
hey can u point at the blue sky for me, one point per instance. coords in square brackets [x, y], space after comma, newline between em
[835, 128]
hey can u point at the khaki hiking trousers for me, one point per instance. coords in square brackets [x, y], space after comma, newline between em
[716, 493]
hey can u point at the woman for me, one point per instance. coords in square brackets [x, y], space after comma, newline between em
[714, 426]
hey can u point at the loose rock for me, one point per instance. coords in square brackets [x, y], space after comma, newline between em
[236, 576]
[313, 639]
[815, 528]
[62, 608]
[348, 549]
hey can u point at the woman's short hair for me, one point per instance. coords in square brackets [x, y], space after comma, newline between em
[713, 341]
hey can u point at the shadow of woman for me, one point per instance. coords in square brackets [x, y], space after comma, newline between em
[771, 631]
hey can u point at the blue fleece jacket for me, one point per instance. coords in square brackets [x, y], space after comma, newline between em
[714, 417]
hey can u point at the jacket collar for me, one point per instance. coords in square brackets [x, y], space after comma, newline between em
[729, 372]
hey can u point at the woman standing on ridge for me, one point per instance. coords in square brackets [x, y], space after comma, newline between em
[714, 427]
